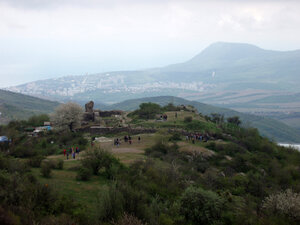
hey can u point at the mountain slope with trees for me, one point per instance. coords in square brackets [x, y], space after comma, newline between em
[15, 106]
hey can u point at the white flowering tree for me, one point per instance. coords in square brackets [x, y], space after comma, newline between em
[67, 116]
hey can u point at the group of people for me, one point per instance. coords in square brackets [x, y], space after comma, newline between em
[71, 152]
[127, 139]
[197, 137]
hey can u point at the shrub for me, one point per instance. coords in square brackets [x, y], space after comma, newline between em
[199, 206]
[84, 174]
[175, 137]
[111, 204]
[36, 161]
[97, 159]
[188, 119]
[148, 110]
[286, 203]
[60, 164]
[127, 219]
[46, 169]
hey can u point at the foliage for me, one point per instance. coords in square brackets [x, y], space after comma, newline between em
[84, 173]
[97, 159]
[200, 206]
[148, 110]
[175, 137]
[36, 161]
[67, 116]
[111, 204]
[234, 120]
[128, 219]
[286, 203]
[188, 119]
[46, 169]
[38, 120]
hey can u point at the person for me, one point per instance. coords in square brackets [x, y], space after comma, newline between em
[73, 154]
[139, 139]
[65, 152]
[67, 155]
[78, 150]
[176, 115]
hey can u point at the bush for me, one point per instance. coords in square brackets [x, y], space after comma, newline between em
[148, 110]
[199, 206]
[127, 219]
[60, 164]
[56, 164]
[111, 204]
[285, 204]
[84, 174]
[97, 159]
[175, 137]
[188, 119]
[36, 161]
[46, 169]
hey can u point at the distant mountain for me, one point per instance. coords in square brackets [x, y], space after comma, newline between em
[18, 106]
[239, 76]
[268, 127]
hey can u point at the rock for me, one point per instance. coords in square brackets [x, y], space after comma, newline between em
[89, 107]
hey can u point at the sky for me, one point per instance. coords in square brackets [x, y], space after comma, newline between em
[47, 39]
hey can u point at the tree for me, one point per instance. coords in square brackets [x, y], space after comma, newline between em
[234, 120]
[286, 203]
[67, 116]
[148, 110]
[217, 118]
[200, 206]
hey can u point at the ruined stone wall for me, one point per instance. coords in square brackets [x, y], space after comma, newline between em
[111, 130]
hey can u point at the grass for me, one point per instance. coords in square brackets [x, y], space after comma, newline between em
[83, 192]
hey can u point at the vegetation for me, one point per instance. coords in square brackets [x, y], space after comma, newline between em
[67, 116]
[14, 106]
[268, 127]
[230, 176]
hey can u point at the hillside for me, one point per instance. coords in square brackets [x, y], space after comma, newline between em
[18, 106]
[268, 127]
[185, 171]
[239, 76]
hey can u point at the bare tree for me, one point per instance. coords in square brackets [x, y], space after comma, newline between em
[67, 116]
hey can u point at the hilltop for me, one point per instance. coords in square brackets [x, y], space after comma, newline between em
[15, 106]
[268, 127]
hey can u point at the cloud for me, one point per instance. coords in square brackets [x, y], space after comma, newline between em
[52, 36]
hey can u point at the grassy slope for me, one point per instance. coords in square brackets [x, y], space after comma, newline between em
[267, 127]
[19, 106]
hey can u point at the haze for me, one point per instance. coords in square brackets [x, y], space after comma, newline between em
[46, 39]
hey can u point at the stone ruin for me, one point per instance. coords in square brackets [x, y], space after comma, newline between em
[89, 114]
[89, 107]
[93, 115]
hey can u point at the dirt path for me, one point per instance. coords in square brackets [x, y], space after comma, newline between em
[126, 150]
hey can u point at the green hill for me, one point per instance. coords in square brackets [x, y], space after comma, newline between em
[268, 127]
[15, 106]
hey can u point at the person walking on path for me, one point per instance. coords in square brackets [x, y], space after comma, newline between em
[65, 152]
[73, 154]
[139, 139]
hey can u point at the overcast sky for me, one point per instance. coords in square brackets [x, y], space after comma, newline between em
[44, 39]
